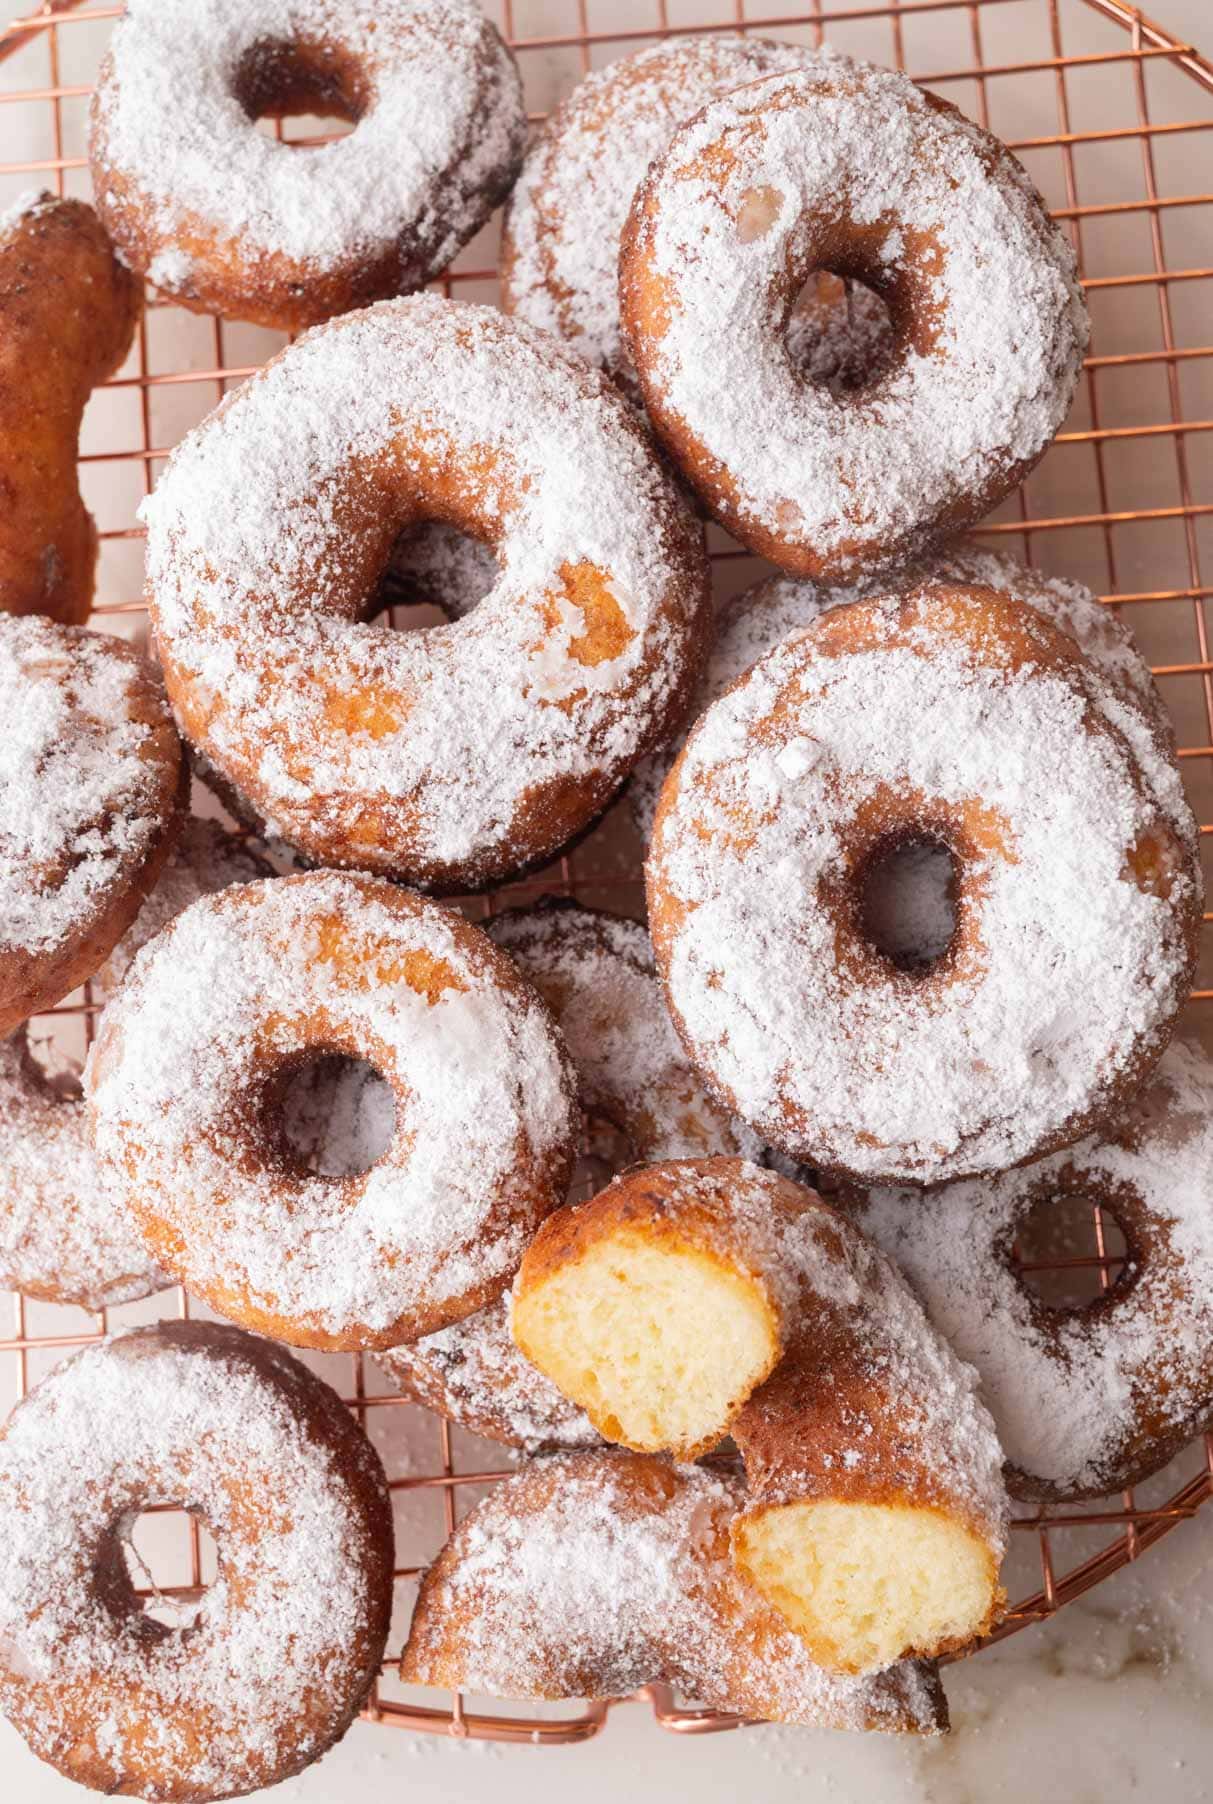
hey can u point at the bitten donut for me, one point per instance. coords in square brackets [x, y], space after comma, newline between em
[68, 309]
[843, 166]
[696, 1298]
[65, 1233]
[92, 789]
[225, 219]
[191, 1071]
[592, 1574]
[451, 757]
[275, 1659]
[596, 973]
[1088, 1400]
[762, 617]
[945, 716]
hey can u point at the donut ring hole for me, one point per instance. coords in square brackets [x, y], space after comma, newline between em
[325, 1113]
[1073, 1252]
[287, 79]
[839, 333]
[148, 1573]
[436, 574]
[906, 900]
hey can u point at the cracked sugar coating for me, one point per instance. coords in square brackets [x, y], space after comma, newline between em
[285, 1643]
[186, 1081]
[761, 617]
[449, 757]
[953, 715]
[597, 974]
[91, 788]
[65, 1234]
[1091, 1400]
[225, 219]
[846, 166]
[589, 1575]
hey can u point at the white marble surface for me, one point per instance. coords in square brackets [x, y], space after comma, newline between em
[1113, 1700]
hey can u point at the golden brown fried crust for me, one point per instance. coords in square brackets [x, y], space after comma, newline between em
[67, 316]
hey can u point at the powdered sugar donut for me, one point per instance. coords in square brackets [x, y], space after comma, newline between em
[953, 717]
[226, 220]
[593, 1574]
[193, 1059]
[845, 166]
[65, 1234]
[1087, 1400]
[756, 621]
[597, 974]
[92, 786]
[270, 1666]
[450, 757]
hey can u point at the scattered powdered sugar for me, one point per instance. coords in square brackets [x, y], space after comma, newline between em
[593, 1574]
[560, 254]
[84, 790]
[227, 998]
[762, 617]
[205, 859]
[65, 1234]
[176, 155]
[871, 1069]
[1082, 1398]
[450, 734]
[286, 1640]
[742, 196]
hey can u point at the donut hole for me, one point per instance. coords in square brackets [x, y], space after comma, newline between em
[907, 901]
[330, 1115]
[280, 79]
[840, 333]
[1072, 1253]
[169, 1562]
[437, 573]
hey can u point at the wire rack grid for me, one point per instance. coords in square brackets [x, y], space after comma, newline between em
[1108, 111]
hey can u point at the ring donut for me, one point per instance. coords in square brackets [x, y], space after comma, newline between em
[273, 1662]
[92, 791]
[225, 219]
[387, 751]
[190, 1074]
[1094, 1399]
[948, 716]
[779, 179]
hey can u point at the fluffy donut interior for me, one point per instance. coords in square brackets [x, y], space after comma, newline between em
[659, 1344]
[865, 1584]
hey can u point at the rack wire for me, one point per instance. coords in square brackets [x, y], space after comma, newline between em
[1104, 107]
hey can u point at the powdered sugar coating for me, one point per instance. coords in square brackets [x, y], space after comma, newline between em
[206, 859]
[452, 755]
[756, 621]
[846, 163]
[593, 1574]
[284, 1644]
[1091, 1400]
[952, 711]
[65, 1234]
[597, 974]
[222, 1005]
[560, 249]
[220, 214]
[88, 787]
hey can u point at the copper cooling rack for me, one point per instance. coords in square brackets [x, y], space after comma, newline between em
[1109, 112]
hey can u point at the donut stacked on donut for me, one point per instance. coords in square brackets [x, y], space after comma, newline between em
[852, 168]
[451, 757]
[278, 1655]
[227, 220]
[1087, 1400]
[949, 716]
[92, 785]
[192, 1067]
